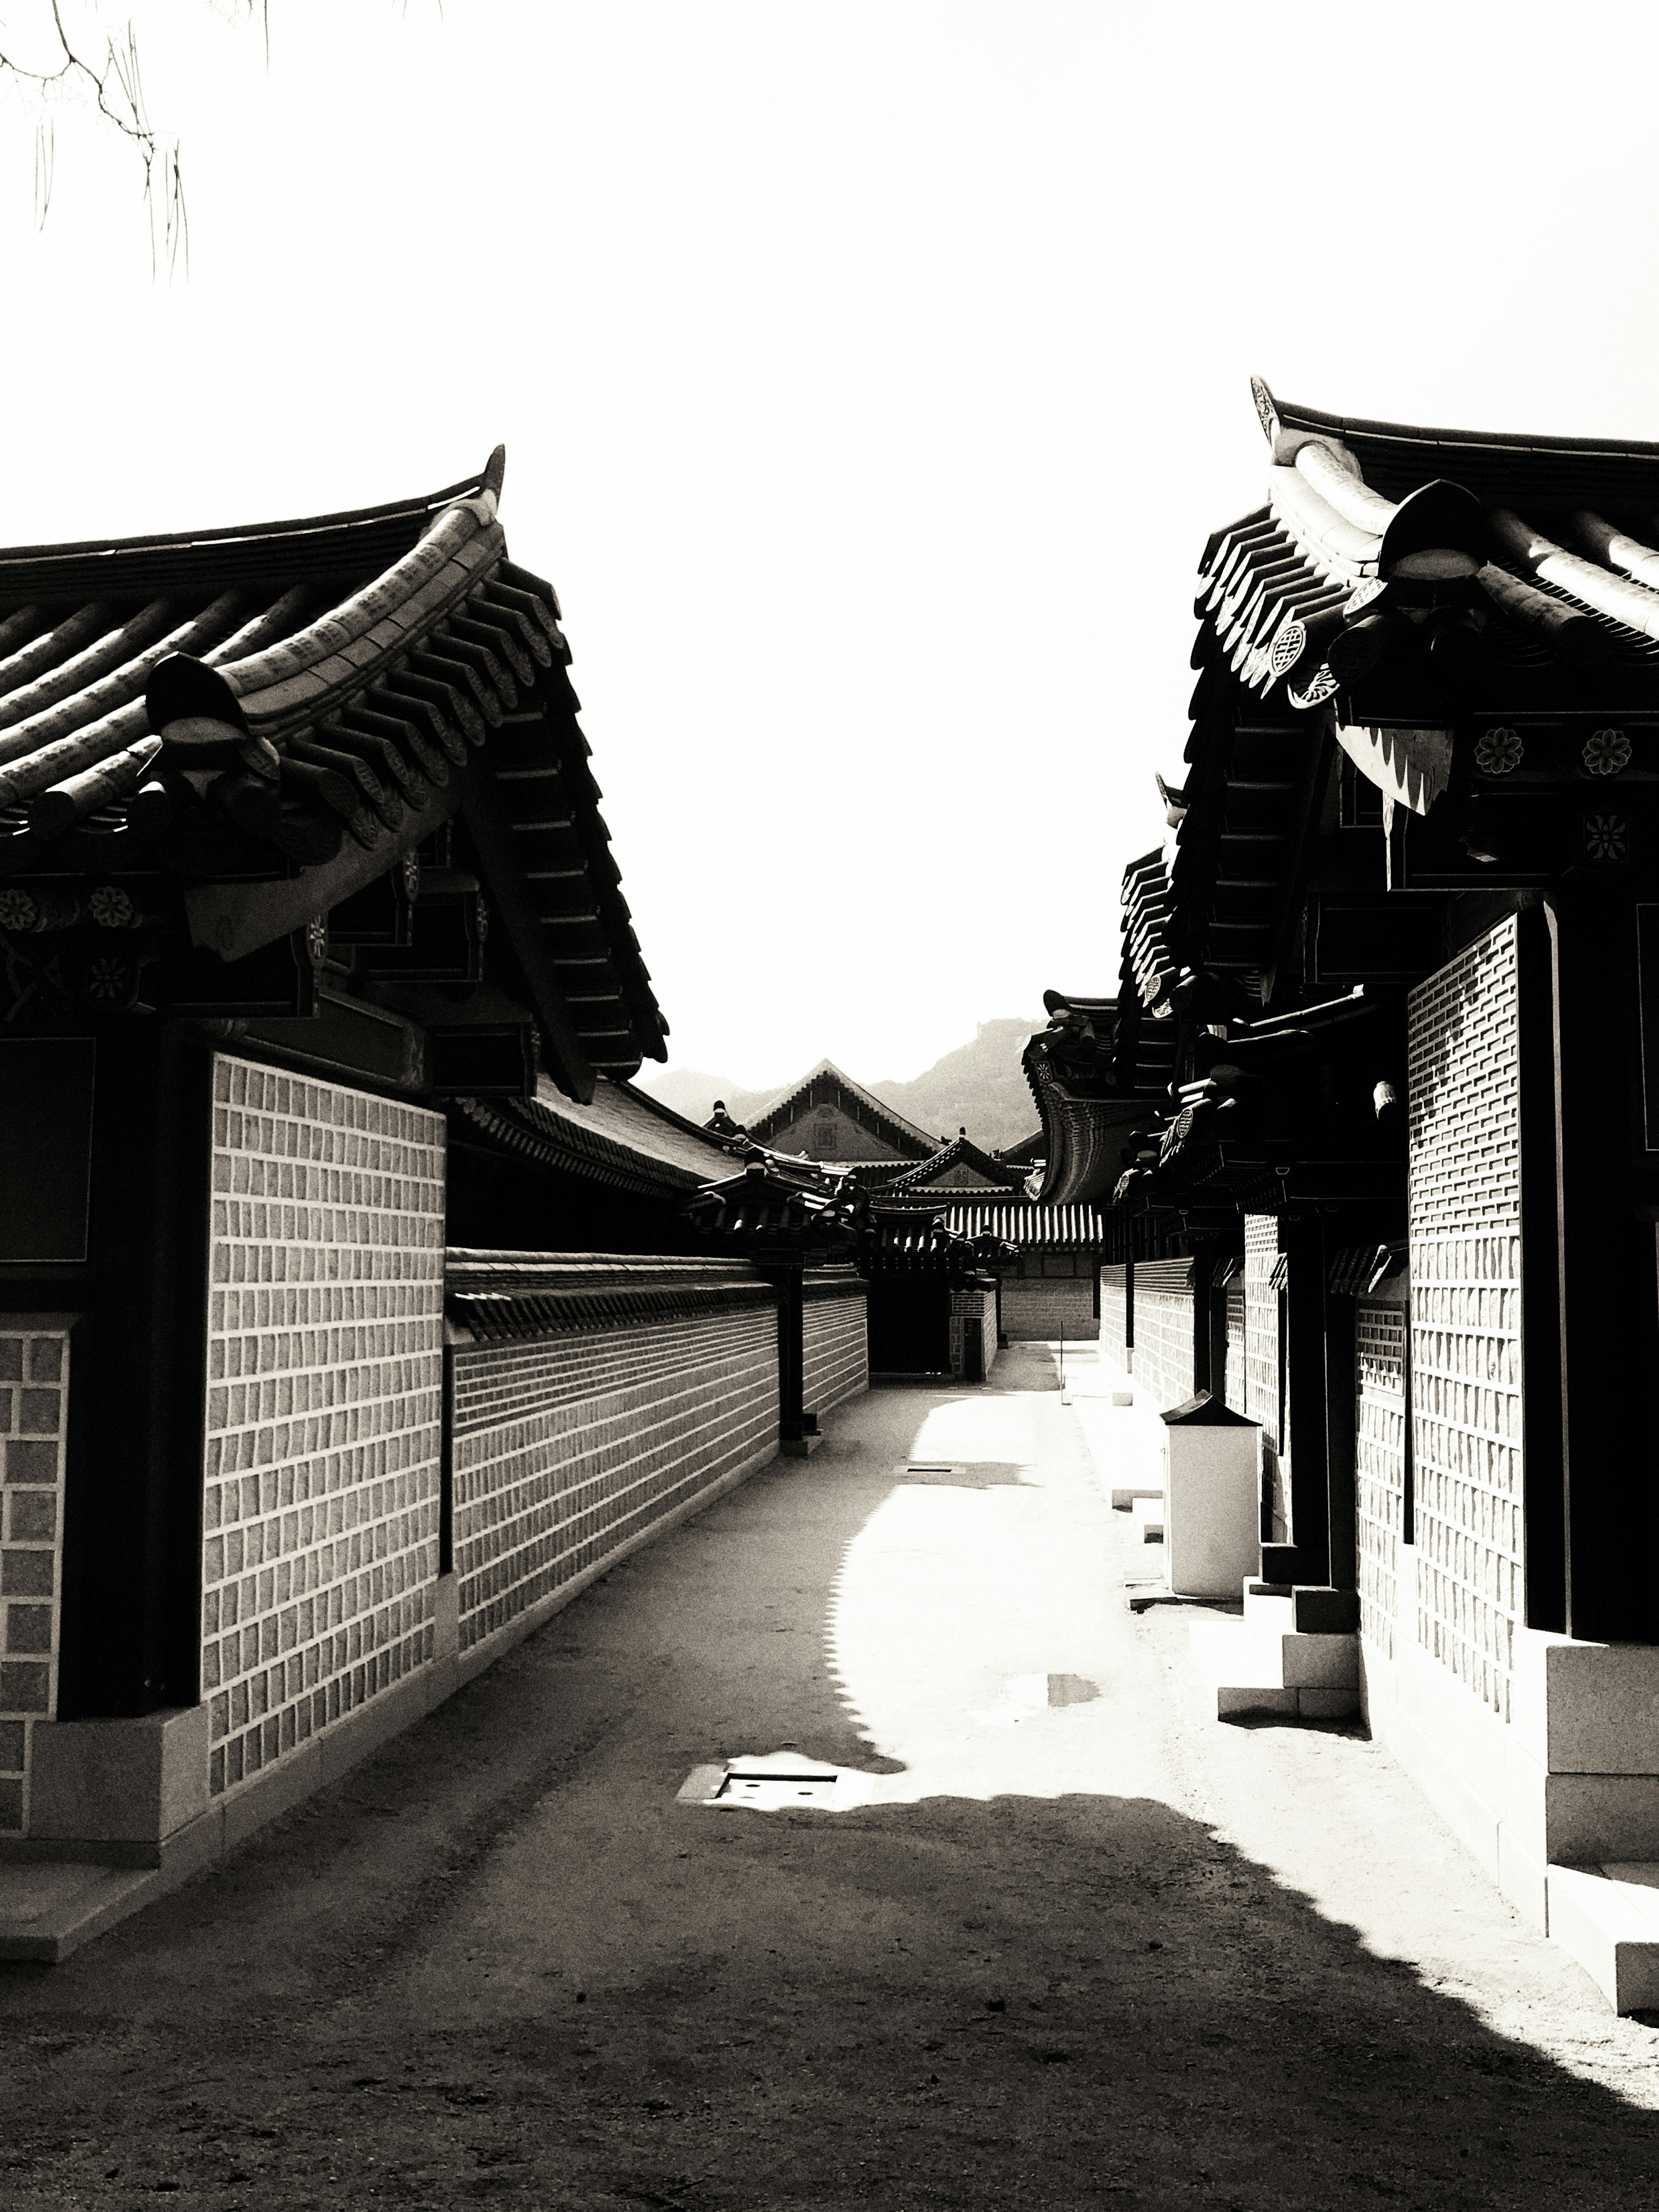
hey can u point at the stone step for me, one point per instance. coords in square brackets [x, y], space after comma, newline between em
[1311, 1663]
[48, 1911]
[1608, 1918]
[1148, 1511]
[1252, 1675]
[1269, 1608]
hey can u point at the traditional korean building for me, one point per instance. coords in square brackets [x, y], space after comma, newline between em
[1372, 1108]
[826, 1116]
[355, 1308]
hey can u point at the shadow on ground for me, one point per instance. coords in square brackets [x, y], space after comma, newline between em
[501, 1964]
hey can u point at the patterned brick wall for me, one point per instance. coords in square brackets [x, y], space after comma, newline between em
[1163, 1333]
[1380, 1464]
[1466, 1313]
[836, 1347]
[1262, 1360]
[33, 1401]
[974, 1309]
[1114, 1313]
[1236, 1375]
[564, 1448]
[324, 1407]
[1039, 1309]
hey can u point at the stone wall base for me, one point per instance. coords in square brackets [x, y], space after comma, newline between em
[133, 1793]
[1572, 1780]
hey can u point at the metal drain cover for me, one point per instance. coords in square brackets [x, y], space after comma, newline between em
[772, 1783]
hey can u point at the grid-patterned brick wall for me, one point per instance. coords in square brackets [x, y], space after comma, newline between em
[1234, 1294]
[324, 1406]
[1379, 1465]
[973, 1309]
[1041, 1308]
[1164, 1334]
[34, 1404]
[565, 1448]
[1466, 1312]
[1262, 1359]
[1114, 1313]
[836, 1349]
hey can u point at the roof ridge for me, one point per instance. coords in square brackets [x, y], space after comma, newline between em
[233, 533]
[1297, 417]
[681, 1121]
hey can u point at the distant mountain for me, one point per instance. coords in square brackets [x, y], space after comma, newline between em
[691, 1093]
[980, 1085]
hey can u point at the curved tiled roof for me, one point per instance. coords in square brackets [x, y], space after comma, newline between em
[621, 1136]
[266, 719]
[1557, 535]
[297, 637]
[962, 1152]
[1051, 1228]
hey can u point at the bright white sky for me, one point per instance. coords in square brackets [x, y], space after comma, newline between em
[870, 371]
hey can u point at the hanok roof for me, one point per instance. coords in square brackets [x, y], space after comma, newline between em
[1400, 586]
[621, 1136]
[272, 718]
[960, 1164]
[826, 1084]
[1088, 1099]
[1032, 1227]
[1552, 533]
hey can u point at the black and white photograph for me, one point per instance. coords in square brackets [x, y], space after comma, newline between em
[829, 1106]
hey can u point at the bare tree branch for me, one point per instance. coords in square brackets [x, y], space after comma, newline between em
[116, 87]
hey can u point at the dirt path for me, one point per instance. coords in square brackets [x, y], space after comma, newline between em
[1083, 1947]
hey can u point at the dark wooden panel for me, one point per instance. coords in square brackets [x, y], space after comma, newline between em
[45, 1153]
[1647, 972]
[1383, 940]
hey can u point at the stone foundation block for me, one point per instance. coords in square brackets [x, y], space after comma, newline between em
[120, 1781]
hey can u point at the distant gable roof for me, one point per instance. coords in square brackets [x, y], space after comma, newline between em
[826, 1084]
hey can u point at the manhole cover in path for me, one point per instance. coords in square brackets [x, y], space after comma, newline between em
[774, 1781]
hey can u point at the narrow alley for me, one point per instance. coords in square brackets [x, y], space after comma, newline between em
[1072, 1943]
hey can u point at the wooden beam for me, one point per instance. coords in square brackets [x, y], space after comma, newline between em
[515, 908]
[233, 920]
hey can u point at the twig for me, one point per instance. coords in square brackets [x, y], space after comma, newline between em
[117, 90]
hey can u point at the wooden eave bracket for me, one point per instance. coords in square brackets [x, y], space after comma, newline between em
[511, 903]
[236, 919]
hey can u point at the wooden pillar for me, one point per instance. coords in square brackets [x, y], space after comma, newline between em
[1341, 1380]
[133, 1538]
[1608, 1182]
[1307, 1557]
[792, 1358]
[1543, 1403]
[1203, 1348]
[1220, 1382]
